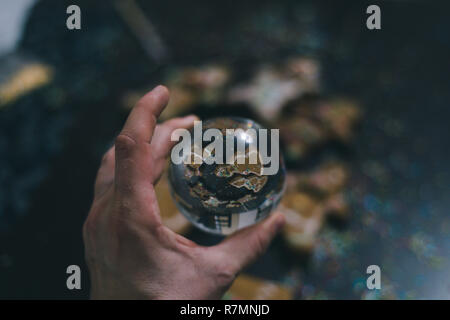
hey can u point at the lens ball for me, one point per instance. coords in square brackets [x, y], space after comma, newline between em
[242, 189]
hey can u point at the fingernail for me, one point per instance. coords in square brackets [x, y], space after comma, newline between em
[160, 89]
[192, 117]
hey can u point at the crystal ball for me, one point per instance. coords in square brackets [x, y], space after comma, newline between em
[222, 197]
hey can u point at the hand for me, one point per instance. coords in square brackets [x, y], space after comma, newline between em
[129, 252]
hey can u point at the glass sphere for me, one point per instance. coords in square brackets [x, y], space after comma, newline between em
[222, 198]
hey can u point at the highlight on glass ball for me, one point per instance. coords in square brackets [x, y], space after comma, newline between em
[227, 178]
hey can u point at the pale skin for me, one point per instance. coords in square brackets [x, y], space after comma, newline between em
[129, 252]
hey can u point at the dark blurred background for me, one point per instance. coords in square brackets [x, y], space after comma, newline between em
[52, 137]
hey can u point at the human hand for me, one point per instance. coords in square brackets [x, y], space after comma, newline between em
[129, 252]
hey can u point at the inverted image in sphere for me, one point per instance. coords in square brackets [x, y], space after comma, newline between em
[222, 198]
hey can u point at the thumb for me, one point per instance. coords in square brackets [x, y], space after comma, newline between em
[244, 246]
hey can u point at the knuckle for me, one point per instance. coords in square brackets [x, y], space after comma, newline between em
[259, 243]
[123, 207]
[124, 142]
[153, 120]
[124, 204]
[225, 273]
[122, 228]
[89, 227]
[91, 223]
[107, 157]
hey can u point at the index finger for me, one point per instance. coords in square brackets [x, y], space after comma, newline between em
[132, 145]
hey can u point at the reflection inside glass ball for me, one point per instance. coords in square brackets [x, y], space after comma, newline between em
[222, 198]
